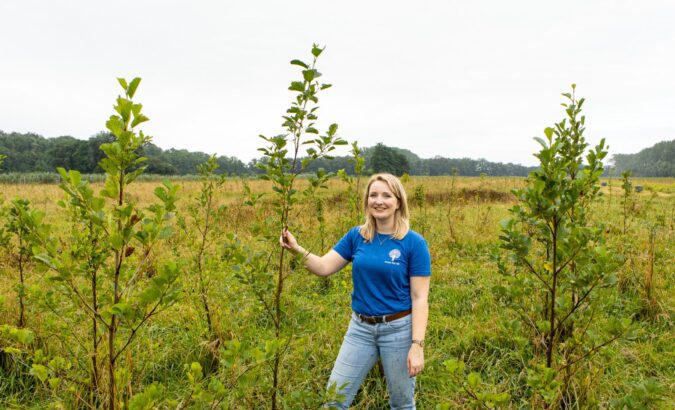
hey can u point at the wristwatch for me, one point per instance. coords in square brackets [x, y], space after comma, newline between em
[419, 342]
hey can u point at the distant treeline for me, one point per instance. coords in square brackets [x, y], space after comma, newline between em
[656, 161]
[33, 153]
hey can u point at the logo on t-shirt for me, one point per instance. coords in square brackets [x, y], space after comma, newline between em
[393, 255]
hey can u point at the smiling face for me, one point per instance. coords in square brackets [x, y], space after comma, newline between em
[382, 203]
[386, 208]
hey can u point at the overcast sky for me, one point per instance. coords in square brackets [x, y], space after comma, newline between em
[474, 79]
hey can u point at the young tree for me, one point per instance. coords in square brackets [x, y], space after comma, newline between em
[203, 216]
[105, 272]
[558, 257]
[354, 185]
[627, 202]
[16, 239]
[282, 168]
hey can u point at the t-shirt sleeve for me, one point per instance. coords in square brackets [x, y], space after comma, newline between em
[420, 259]
[345, 246]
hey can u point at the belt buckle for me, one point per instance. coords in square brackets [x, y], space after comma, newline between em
[371, 320]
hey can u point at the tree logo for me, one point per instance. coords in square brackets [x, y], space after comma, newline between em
[394, 254]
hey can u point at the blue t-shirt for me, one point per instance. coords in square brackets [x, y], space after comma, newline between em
[381, 270]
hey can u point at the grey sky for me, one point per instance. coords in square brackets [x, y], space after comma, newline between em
[451, 78]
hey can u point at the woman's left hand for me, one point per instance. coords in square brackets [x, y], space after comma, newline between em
[415, 360]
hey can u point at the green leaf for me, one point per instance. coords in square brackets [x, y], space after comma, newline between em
[39, 371]
[136, 109]
[116, 240]
[121, 309]
[548, 131]
[23, 336]
[165, 232]
[454, 367]
[133, 86]
[542, 142]
[115, 126]
[195, 372]
[148, 398]
[544, 326]
[216, 386]
[139, 119]
[150, 295]
[474, 379]
[297, 86]
[309, 75]
[316, 51]
[54, 382]
[299, 63]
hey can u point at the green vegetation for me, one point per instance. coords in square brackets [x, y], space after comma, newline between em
[655, 161]
[558, 264]
[31, 153]
[282, 168]
[104, 304]
[94, 268]
[385, 159]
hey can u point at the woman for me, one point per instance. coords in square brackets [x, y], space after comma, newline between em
[391, 269]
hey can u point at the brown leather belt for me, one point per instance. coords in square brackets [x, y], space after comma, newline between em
[373, 320]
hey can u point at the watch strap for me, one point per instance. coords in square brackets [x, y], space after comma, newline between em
[419, 342]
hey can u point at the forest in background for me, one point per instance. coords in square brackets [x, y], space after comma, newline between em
[655, 161]
[34, 153]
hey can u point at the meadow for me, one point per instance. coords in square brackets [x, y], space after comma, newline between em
[182, 358]
[552, 291]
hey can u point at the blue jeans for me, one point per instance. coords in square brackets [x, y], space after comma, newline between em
[361, 347]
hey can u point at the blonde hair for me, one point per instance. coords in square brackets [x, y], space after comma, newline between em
[401, 217]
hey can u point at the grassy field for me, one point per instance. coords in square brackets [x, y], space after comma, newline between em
[459, 217]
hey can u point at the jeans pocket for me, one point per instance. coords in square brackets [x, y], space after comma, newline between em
[402, 323]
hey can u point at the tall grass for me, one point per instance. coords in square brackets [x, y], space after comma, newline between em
[465, 320]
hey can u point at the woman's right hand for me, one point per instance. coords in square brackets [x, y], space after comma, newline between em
[287, 240]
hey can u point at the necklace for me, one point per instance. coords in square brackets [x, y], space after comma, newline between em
[382, 241]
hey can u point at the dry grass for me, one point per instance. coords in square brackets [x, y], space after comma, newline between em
[459, 220]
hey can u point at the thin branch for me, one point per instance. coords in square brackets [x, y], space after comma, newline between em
[79, 398]
[183, 403]
[475, 397]
[268, 308]
[578, 303]
[583, 331]
[528, 320]
[127, 285]
[69, 323]
[571, 259]
[135, 329]
[233, 383]
[590, 352]
[92, 311]
[531, 268]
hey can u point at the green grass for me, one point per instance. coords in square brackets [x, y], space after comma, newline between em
[466, 320]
